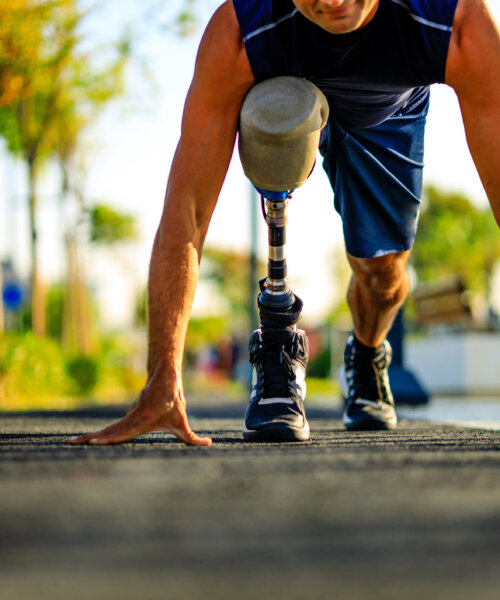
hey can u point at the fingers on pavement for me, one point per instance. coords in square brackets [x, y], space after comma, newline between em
[180, 427]
[128, 428]
[191, 438]
[121, 431]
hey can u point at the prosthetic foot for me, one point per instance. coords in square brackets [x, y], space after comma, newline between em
[280, 126]
[278, 350]
[276, 409]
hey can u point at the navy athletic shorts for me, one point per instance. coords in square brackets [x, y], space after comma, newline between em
[376, 176]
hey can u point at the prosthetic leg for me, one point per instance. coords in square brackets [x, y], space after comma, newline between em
[277, 303]
[280, 126]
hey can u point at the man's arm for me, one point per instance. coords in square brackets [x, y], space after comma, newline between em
[209, 125]
[473, 71]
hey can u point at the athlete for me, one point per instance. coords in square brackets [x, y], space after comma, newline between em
[374, 60]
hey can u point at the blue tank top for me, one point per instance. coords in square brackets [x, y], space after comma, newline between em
[367, 75]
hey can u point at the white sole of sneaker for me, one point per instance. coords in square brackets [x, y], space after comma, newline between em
[369, 424]
[277, 434]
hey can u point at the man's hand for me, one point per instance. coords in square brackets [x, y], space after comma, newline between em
[156, 409]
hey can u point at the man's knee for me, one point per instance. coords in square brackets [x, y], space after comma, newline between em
[383, 274]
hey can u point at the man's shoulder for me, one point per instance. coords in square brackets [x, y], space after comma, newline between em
[467, 12]
[461, 13]
[474, 44]
[472, 18]
[225, 20]
[222, 71]
[223, 33]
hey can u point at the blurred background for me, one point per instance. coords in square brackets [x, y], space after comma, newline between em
[91, 97]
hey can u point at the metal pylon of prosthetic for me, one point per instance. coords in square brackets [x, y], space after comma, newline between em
[275, 295]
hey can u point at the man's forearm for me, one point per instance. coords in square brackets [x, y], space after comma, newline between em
[482, 127]
[173, 276]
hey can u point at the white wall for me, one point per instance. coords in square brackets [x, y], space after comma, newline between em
[461, 363]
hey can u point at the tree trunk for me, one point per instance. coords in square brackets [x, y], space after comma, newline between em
[78, 331]
[38, 316]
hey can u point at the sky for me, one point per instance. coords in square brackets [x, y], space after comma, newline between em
[128, 159]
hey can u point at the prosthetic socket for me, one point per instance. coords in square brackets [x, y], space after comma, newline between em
[280, 126]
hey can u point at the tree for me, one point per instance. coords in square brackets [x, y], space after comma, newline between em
[49, 95]
[108, 226]
[456, 237]
[32, 79]
[87, 90]
[21, 38]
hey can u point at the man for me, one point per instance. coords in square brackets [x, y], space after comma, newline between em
[373, 59]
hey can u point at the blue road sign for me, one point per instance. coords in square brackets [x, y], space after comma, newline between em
[13, 296]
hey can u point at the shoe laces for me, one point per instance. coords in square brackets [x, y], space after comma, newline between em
[276, 366]
[366, 373]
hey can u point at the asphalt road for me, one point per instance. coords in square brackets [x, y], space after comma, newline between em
[408, 514]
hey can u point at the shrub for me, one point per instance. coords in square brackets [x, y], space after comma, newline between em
[84, 370]
[32, 373]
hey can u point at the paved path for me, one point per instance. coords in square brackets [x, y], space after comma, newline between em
[407, 514]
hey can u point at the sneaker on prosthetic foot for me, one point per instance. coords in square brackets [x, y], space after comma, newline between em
[276, 409]
[364, 380]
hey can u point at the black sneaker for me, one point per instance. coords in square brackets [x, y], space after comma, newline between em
[364, 380]
[276, 409]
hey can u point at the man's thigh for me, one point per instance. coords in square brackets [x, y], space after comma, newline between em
[376, 176]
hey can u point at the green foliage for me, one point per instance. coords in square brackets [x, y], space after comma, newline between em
[84, 370]
[56, 299]
[108, 226]
[321, 364]
[50, 92]
[20, 41]
[339, 313]
[35, 373]
[55, 307]
[120, 375]
[26, 118]
[229, 270]
[322, 387]
[141, 308]
[456, 237]
[58, 90]
[32, 372]
[204, 331]
[185, 22]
